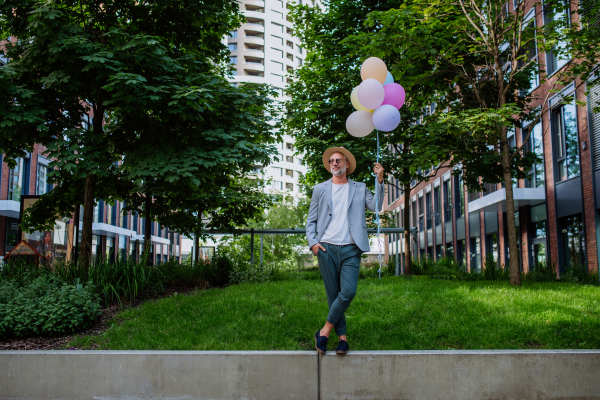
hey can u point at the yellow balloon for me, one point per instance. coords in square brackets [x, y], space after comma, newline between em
[374, 68]
[356, 103]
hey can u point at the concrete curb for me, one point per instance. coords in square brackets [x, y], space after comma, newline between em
[381, 375]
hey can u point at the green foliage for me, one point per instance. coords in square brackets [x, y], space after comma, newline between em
[46, 306]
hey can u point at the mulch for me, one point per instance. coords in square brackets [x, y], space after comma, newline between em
[59, 342]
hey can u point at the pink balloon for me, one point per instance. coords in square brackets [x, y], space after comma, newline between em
[394, 95]
[370, 93]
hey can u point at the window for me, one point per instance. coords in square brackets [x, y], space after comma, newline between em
[109, 214]
[437, 201]
[280, 16]
[290, 31]
[528, 55]
[233, 34]
[289, 56]
[475, 249]
[447, 188]
[97, 214]
[460, 195]
[277, 185]
[277, 171]
[299, 49]
[535, 177]
[299, 61]
[233, 60]
[289, 186]
[428, 209]
[289, 44]
[17, 180]
[289, 172]
[289, 146]
[122, 217]
[564, 129]
[42, 186]
[300, 161]
[289, 159]
[573, 241]
[555, 60]
[421, 214]
[232, 46]
[413, 213]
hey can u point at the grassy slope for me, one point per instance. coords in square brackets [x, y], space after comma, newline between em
[388, 314]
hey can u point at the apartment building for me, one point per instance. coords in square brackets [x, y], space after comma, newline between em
[264, 50]
[114, 233]
[558, 218]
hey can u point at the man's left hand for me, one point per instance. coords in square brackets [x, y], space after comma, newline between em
[378, 169]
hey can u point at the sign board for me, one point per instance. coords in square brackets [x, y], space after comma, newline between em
[51, 245]
[24, 251]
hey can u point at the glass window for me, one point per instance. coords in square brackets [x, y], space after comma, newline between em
[233, 59]
[421, 215]
[529, 53]
[573, 241]
[475, 250]
[16, 180]
[460, 195]
[536, 176]
[289, 173]
[554, 60]
[289, 186]
[232, 46]
[564, 127]
[428, 209]
[289, 159]
[437, 201]
[96, 212]
[42, 186]
[109, 214]
[233, 34]
[492, 247]
[447, 201]
[413, 213]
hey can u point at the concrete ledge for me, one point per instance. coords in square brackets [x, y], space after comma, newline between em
[265, 375]
[158, 375]
[462, 375]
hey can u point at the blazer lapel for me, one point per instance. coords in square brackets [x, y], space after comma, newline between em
[351, 191]
[328, 193]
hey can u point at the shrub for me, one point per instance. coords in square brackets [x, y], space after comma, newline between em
[46, 306]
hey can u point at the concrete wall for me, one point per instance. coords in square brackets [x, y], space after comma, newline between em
[398, 375]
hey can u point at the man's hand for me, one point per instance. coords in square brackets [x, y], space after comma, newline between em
[378, 169]
[316, 247]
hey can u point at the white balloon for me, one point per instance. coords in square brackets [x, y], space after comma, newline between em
[360, 123]
[370, 93]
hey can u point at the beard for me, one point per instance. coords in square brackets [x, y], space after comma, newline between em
[341, 171]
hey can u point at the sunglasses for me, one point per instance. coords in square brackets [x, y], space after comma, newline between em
[336, 160]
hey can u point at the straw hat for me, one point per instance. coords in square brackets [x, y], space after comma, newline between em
[330, 151]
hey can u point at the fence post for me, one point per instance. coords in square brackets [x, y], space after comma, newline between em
[252, 247]
[261, 249]
[397, 254]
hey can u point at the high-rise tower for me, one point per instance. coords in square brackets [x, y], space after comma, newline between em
[265, 50]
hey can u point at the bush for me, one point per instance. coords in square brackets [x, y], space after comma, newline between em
[46, 306]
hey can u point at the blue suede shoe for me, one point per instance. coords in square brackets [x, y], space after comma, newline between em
[342, 347]
[321, 342]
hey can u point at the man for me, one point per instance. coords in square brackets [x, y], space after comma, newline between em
[337, 234]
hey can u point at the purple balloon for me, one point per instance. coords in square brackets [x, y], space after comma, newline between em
[386, 118]
[394, 95]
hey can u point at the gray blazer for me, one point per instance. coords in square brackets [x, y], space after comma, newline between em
[319, 214]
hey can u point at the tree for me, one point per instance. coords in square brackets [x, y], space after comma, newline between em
[491, 53]
[72, 63]
[337, 41]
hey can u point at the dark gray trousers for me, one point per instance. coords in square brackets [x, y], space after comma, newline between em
[339, 267]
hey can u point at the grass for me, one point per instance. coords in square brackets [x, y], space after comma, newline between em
[388, 314]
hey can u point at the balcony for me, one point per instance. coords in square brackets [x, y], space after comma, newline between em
[10, 208]
[522, 197]
[255, 27]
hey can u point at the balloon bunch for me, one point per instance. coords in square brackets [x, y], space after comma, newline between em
[377, 100]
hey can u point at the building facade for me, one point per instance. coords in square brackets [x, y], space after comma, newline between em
[558, 220]
[264, 50]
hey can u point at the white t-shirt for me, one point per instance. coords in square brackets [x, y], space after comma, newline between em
[338, 231]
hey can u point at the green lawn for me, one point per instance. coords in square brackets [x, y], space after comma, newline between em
[388, 314]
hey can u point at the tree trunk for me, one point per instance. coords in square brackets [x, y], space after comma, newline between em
[515, 272]
[88, 218]
[407, 252]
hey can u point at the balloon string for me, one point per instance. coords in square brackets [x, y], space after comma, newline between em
[377, 220]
